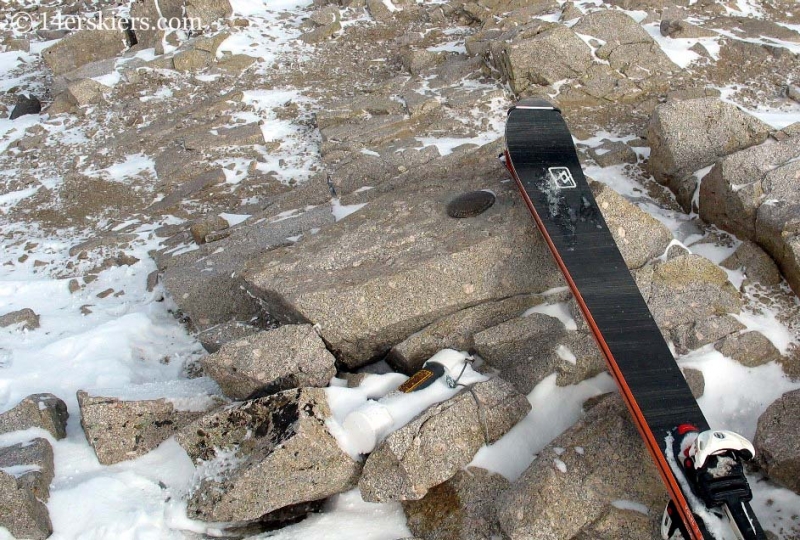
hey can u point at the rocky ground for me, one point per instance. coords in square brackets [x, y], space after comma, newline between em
[220, 240]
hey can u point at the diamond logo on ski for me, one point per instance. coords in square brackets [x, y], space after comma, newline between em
[561, 177]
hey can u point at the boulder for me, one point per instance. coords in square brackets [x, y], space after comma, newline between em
[325, 16]
[693, 335]
[751, 27]
[456, 331]
[415, 61]
[757, 265]
[85, 92]
[210, 44]
[685, 290]
[576, 480]
[119, 430]
[86, 71]
[193, 185]
[235, 63]
[696, 381]
[581, 358]
[44, 411]
[627, 46]
[731, 194]
[382, 10]
[25, 105]
[401, 263]
[23, 514]
[687, 135]
[26, 318]
[207, 285]
[553, 53]
[778, 231]
[201, 228]
[523, 348]
[31, 464]
[750, 349]
[321, 33]
[755, 194]
[639, 236]
[434, 446]
[353, 110]
[777, 448]
[610, 153]
[16, 44]
[372, 131]
[191, 60]
[291, 356]
[265, 455]
[794, 92]
[26, 471]
[215, 337]
[462, 507]
[84, 47]
[362, 170]
[680, 29]
[151, 11]
[601, 84]
[208, 11]
[244, 135]
[620, 521]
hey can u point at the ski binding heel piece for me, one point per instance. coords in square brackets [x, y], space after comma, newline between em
[711, 462]
[709, 443]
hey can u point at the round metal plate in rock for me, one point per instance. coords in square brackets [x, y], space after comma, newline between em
[470, 204]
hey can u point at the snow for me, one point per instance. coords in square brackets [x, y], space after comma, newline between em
[451, 46]
[341, 211]
[234, 219]
[185, 395]
[766, 322]
[134, 165]
[565, 353]
[678, 49]
[723, 402]
[559, 311]
[125, 340]
[634, 506]
[345, 517]
[20, 470]
[121, 501]
[495, 129]
[360, 421]
[296, 155]
[553, 410]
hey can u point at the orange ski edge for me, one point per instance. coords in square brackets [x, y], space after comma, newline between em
[653, 447]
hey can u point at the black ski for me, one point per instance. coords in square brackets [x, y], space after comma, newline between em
[542, 159]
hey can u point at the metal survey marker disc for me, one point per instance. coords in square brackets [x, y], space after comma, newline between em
[470, 204]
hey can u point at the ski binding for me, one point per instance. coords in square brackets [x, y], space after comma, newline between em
[711, 463]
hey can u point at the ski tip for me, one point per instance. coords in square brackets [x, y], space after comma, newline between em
[534, 104]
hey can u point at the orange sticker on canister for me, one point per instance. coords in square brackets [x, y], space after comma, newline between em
[416, 380]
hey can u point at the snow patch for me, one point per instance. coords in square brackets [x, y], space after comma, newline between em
[768, 324]
[723, 402]
[341, 211]
[623, 504]
[553, 410]
[559, 311]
